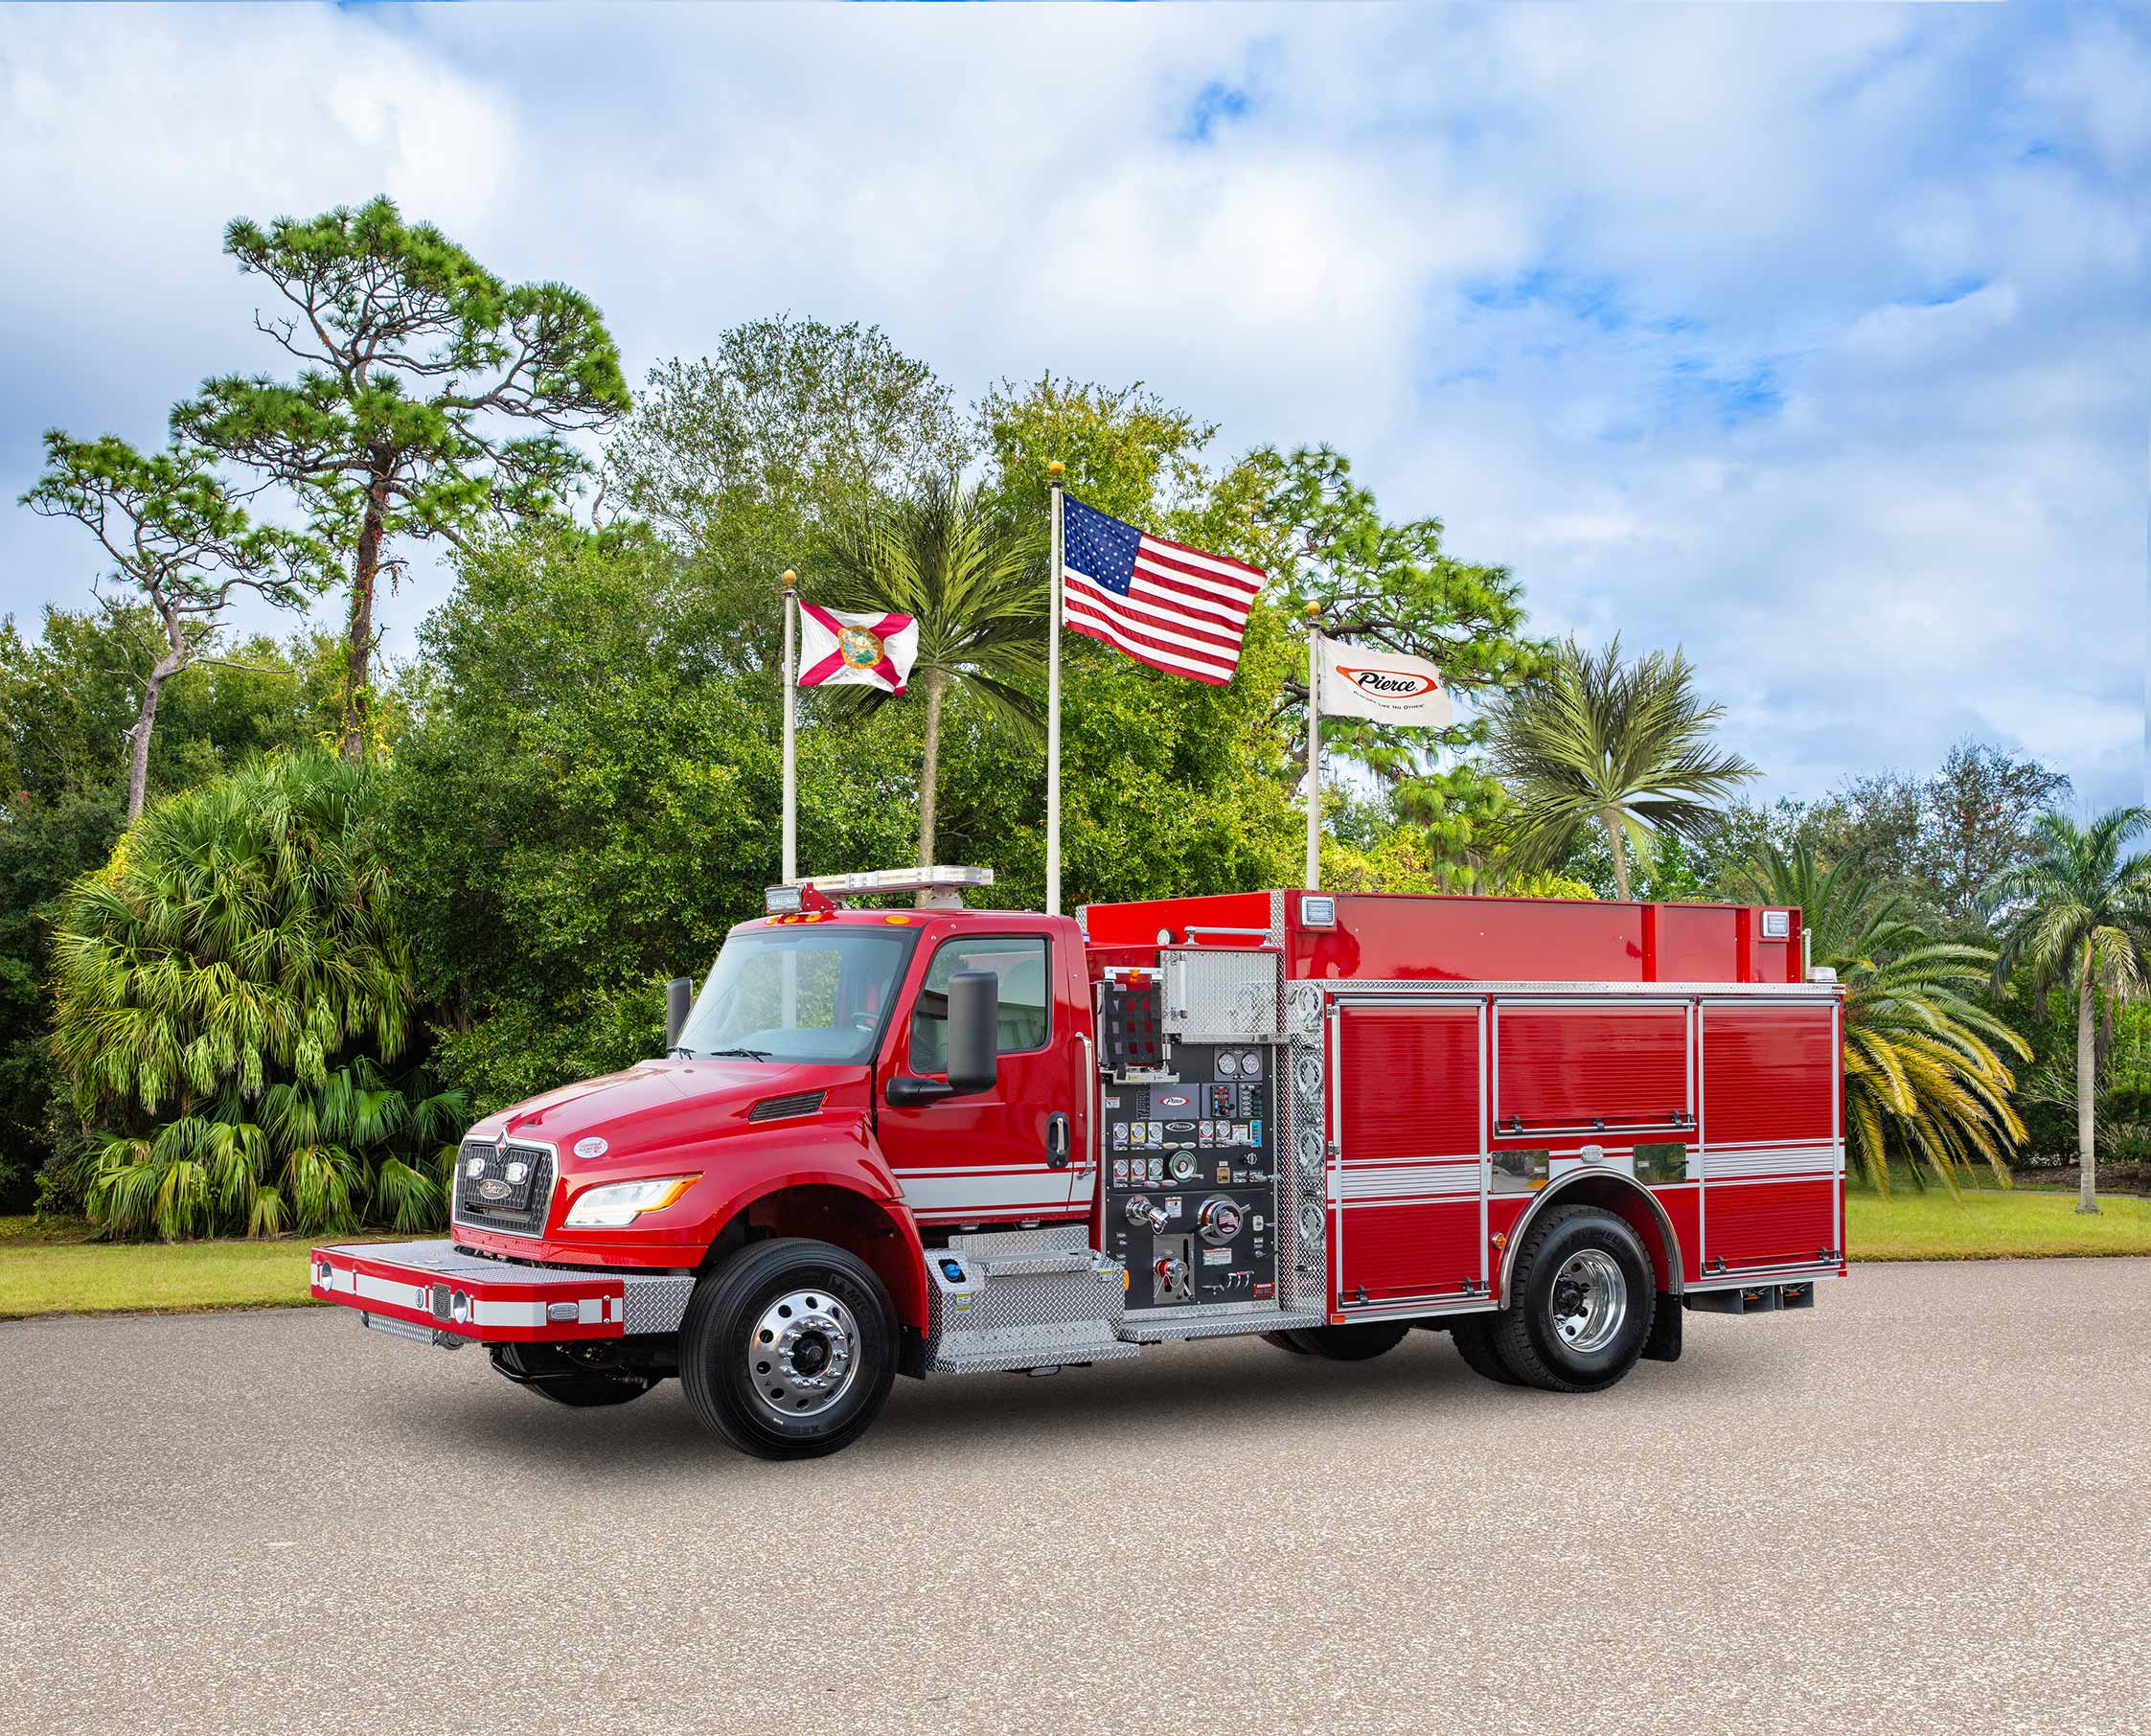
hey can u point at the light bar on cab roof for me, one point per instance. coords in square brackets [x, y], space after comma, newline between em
[948, 878]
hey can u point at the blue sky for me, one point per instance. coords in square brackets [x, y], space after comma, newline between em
[1812, 340]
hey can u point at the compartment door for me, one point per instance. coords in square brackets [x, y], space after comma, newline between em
[1772, 1150]
[1408, 1181]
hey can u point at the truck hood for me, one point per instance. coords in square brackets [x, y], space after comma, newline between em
[659, 1104]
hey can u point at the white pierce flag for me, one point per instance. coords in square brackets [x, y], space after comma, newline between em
[1385, 686]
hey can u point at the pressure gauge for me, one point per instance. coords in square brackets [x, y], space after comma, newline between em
[1250, 1064]
[1229, 1064]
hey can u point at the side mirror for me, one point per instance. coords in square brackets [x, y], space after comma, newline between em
[680, 1000]
[975, 1016]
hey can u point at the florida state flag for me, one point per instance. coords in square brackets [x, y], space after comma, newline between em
[838, 647]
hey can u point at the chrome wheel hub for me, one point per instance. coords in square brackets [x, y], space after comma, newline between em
[1589, 1301]
[803, 1353]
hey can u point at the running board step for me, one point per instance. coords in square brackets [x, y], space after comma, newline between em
[1010, 1299]
[1158, 1325]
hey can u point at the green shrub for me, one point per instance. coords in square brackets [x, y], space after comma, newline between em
[231, 991]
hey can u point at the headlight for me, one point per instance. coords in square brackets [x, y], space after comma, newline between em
[620, 1203]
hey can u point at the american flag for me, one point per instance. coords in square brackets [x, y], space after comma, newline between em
[1163, 603]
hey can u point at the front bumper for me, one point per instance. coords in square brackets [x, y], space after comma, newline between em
[435, 1293]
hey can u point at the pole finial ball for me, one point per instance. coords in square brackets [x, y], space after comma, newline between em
[1314, 609]
[1055, 468]
[790, 578]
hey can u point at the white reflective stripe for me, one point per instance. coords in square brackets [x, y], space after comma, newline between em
[984, 1190]
[369, 1289]
[1720, 1165]
[590, 1310]
[1416, 1180]
[485, 1311]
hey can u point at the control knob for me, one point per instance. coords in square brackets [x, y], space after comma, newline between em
[1219, 1221]
[1171, 1273]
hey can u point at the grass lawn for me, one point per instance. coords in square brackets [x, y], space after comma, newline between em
[44, 1271]
[53, 1269]
[1988, 1223]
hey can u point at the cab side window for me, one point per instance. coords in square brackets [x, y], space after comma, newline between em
[1026, 1015]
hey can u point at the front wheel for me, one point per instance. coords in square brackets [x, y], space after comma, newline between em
[788, 1349]
[1585, 1294]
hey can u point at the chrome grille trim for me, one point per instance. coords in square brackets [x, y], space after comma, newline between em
[471, 1148]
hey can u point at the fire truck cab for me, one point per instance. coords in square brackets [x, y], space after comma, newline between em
[939, 1140]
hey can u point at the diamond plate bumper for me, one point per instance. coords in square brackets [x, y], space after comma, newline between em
[430, 1292]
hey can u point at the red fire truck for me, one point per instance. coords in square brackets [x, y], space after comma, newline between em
[939, 1140]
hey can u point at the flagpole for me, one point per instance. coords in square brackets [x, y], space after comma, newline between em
[1053, 710]
[1313, 748]
[790, 581]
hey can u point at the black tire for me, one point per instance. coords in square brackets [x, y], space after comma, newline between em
[538, 1368]
[724, 1318]
[1351, 1343]
[1474, 1334]
[1524, 1335]
[1284, 1341]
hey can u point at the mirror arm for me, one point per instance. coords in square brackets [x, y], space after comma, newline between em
[907, 1091]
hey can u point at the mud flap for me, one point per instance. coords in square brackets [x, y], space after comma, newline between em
[1663, 1345]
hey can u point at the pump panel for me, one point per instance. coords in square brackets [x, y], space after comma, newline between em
[1190, 1186]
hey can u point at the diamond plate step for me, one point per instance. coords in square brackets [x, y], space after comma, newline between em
[1158, 1325]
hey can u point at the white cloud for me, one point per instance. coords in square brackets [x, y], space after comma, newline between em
[1813, 340]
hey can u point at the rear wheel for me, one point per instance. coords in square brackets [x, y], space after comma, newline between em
[1284, 1341]
[1585, 1294]
[1351, 1343]
[1474, 1336]
[788, 1349]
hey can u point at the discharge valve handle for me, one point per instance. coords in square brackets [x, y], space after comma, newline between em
[1140, 1211]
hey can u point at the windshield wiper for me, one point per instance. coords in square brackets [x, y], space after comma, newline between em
[750, 1054]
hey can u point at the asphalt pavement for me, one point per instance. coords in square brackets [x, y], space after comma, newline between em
[1924, 1506]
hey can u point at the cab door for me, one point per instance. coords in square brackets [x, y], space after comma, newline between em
[1004, 1156]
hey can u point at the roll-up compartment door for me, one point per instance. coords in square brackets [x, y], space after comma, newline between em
[1772, 1158]
[1408, 1184]
[1595, 1069]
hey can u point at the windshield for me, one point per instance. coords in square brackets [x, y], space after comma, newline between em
[790, 995]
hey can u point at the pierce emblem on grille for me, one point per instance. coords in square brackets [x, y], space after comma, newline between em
[493, 1188]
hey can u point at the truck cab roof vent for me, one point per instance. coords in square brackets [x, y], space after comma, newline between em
[783, 1109]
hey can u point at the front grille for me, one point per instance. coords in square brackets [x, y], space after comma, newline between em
[519, 1212]
[778, 1108]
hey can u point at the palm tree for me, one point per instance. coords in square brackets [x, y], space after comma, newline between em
[1622, 747]
[979, 594]
[1921, 1068]
[226, 991]
[2079, 914]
